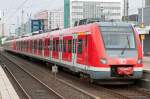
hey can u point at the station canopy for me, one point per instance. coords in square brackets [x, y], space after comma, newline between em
[144, 30]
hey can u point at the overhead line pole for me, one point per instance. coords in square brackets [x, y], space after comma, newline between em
[19, 7]
[142, 25]
[3, 24]
[22, 21]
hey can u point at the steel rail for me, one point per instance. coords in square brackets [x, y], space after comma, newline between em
[34, 78]
[8, 70]
[70, 85]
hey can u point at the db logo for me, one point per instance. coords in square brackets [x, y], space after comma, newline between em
[123, 61]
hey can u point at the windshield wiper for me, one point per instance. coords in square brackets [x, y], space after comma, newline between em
[128, 44]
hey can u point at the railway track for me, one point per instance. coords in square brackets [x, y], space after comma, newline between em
[67, 90]
[128, 92]
[29, 84]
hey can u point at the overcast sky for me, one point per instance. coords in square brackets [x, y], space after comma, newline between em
[12, 8]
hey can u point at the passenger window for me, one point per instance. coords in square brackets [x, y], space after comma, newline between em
[42, 44]
[69, 46]
[31, 44]
[80, 41]
[57, 45]
[64, 45]
[53, 45]
[48, 44]
[74, 45]
[60, 46]
[35, 45]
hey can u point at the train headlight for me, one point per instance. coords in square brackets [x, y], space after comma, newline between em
[139, 61]
[103, 61]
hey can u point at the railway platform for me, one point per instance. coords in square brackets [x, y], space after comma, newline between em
[146, 61]
[6, 89]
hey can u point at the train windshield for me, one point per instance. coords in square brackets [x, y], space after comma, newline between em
[118, 37]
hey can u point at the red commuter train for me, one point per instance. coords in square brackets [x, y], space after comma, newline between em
[101, 51]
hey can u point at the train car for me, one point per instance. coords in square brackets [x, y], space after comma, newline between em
[104, 51]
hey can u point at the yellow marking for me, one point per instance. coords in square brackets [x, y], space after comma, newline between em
[97, 98]
[142, 25]
[81, 33]
[142, 37]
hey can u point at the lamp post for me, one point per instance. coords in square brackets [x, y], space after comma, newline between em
[142, 25]
[102, 14]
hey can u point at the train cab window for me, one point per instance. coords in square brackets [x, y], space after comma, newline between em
[80, 41]
[64, 45]
[69, 46]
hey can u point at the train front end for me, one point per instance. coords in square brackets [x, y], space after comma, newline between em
[123, 52]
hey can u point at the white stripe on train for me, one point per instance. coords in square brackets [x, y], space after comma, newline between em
[80, 66]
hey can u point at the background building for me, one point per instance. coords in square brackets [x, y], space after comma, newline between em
[75, 10]
[56, 19]
[147, 3]
[31, 26]
[146, 19]
[43, 15]
[125, 10]
[146, 16]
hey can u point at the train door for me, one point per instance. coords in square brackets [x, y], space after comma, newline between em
[55, 53]
[46, 47]
[74, 49]
[28, 46]
[31, 46]
[60, 48]
[82, 49]
[43, 47]
[50, 47]
[39, 47]
[35, 46]
[67, 49]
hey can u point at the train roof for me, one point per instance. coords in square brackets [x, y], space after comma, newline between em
[74, 29]
[114, 24]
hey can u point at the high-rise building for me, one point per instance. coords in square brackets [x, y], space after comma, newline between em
[56, 19]
[75, 10]
[146, 16]
[43, 15]
[51, 19]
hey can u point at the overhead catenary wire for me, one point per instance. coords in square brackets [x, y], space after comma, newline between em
[39, 5]
[18, 8]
